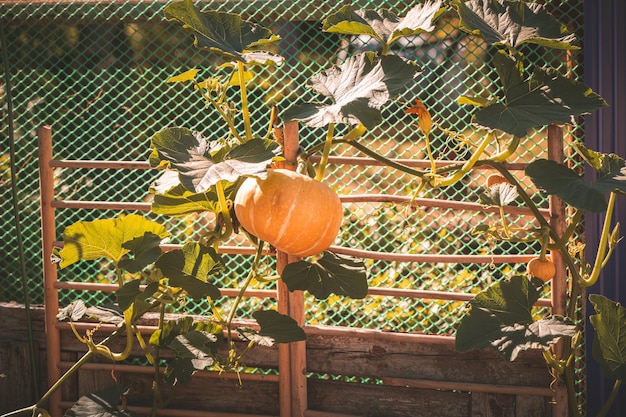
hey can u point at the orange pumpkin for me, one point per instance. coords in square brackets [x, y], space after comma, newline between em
[494, 179]
[542, 269]
[294, 213]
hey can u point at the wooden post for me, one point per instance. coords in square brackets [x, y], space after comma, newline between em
[48, 236]
[292, 357]
[559, 282]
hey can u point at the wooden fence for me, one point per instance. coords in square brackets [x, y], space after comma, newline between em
[398, 374]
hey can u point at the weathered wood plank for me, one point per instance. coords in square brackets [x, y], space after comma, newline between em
[16, 384]
[492, 405]
[532, 406]
[369, 400]
[353, 355]
[349, 353]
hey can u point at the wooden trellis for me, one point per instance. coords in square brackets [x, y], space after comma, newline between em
[415, 374]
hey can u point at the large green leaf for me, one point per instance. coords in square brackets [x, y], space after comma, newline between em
[611, 167]
[173, 199]
[202, 163]
[144, 250]
[358, 89]
[224, 33]
[107, 238]
[513, 23]
[500, 319]
[547, 97]
[189, 268]
[609, 344]
[557, 179]
[384, 25]
[331, 274]
[128, 293]
[101, 404]
[278, 327]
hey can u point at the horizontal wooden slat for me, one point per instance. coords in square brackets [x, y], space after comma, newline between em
[432, 258]
[98, 164]
[92, 286]
[337, 160]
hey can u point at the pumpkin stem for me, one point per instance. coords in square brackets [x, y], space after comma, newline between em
[545, 238]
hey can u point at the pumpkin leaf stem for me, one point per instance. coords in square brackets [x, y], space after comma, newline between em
[227, 119]
[602, 255]
[244, 99]
[251, 275]
[327, 145]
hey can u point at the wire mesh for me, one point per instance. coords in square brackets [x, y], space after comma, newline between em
[96, 73]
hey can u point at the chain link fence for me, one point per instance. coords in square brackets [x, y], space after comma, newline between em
[96, 72]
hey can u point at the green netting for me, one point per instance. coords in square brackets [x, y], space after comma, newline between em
[96, 73]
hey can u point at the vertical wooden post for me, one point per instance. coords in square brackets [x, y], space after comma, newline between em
[284, 351]
[48, 236]
[292, 357]
[559, 282]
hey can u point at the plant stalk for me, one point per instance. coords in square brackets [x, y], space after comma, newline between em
[468, 165]
[609, 402]
[242, 290]
[602, 247]
[244, 99]
[327, 145]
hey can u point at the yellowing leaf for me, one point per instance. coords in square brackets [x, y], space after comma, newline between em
[105, 238]
[185, 76]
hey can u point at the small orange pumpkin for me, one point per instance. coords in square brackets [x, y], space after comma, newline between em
[293, 212]
[494, 179]
[542, 269]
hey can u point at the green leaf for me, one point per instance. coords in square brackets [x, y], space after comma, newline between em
[198, 346]
[330, 274]
[224, 33]
[512, 23]
[179, 371]
[359, 88]
[171, 329]
[500, 319]
[557, 179]
[499, 195]
[249, 334]
[189, 268]
[384, 25]
[609, 166]
[249, 159]
[189, 75]
[127, 294]
[201, 163]
[609, 344]
[102, 404]
[178, 200]
[547, 97]
[145, 250]
[279, 327]
[105, 238]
